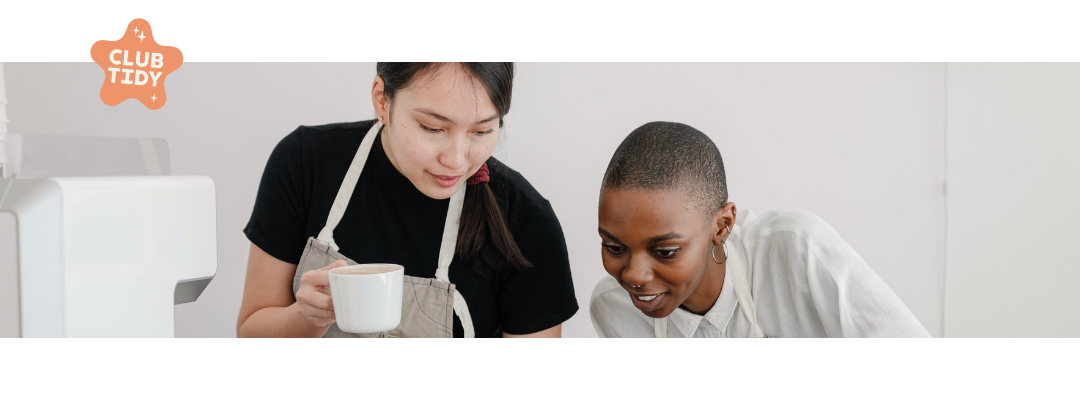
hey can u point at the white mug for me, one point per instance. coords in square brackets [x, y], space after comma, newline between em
[367, 297]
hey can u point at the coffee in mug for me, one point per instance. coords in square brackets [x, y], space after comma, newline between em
[367, 297]
[368, 270]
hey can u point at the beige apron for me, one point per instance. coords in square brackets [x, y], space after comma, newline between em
[742, 292]
[427, 305]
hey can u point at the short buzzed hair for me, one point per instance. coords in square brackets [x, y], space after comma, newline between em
[670, 155]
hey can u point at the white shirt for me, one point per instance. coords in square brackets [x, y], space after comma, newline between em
[805, 281]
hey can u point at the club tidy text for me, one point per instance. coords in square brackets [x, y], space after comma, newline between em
[142, 61]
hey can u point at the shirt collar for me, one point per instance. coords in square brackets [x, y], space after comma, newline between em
[685, 321]
[720, 313]
[718, 316]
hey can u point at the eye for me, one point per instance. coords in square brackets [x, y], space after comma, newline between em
[614, 250]
[666, 253]
[430, 129]
[482, 133]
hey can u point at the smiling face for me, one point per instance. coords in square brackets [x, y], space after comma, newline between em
[657, 240]
[439, 130]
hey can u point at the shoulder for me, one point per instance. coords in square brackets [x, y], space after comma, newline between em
[313, 149]
[784, 241]
[604, 289]
[328, 136]
[613, 314]
[360, 127]
[797, 242]
[608, 296]
[804, 226]
[509, 184]
[521, 200]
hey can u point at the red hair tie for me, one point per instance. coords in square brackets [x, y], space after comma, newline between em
[481, 176]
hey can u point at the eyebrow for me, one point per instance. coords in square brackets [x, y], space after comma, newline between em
[666, 236]
[652, 240]
[605, 233]
[447, 119]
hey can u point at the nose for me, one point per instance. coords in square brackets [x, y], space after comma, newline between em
[455, 154]
[639, 271]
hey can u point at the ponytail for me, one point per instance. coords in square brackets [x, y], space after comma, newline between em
[484, 239]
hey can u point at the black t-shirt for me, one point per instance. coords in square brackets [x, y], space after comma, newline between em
[388, 220]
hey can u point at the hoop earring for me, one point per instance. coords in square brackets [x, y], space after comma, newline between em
[723, 244]
[713, 252]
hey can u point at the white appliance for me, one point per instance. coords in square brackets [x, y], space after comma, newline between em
[109, 256]
[96, 239]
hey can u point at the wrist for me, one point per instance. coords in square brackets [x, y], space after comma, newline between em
[305, 325]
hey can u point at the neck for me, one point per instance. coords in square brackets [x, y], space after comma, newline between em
[702, 299]
[385, 140]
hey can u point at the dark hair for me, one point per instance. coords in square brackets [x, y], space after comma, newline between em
[665, 155]
[484, 240]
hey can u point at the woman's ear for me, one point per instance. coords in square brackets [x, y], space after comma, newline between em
[379, 100]
[724, 221]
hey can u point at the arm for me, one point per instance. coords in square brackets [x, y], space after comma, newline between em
[269, 309]
[613, 314]
[535, 301]
[552, 332]
[851, 300]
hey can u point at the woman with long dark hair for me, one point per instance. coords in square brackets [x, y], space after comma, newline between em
[390, 190]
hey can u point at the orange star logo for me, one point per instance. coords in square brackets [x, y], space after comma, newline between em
[135, 66]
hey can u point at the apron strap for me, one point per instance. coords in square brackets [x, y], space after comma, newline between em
[742, 292]
[450, 228]
[337, 210]
[660, 327]
[462, 311]
[446, 255]
[449, 235]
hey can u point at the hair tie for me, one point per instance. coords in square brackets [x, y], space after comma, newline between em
[481, 176]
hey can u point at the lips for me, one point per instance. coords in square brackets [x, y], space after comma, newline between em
[446, 180]
[647, 303]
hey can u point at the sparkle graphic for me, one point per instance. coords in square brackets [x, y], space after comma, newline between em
[141, 37]
[154, 98]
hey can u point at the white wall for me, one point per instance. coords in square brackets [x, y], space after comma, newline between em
[859, 144]
[1014, 200]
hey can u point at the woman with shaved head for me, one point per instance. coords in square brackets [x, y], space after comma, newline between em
[684, 262]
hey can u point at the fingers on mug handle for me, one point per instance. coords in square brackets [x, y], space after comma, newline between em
[335, 264]
[323, 278]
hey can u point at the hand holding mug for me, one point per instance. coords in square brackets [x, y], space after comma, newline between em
[313, 300]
